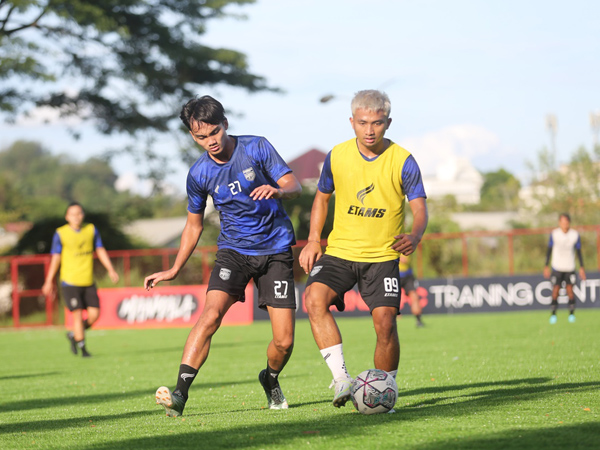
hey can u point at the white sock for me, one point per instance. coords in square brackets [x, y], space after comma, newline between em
[334, 357]
[393, 373]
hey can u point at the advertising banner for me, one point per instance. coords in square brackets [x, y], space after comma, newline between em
[511, 293]
[456, 295]
[162, 307]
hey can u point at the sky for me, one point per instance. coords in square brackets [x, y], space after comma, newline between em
[467, 78]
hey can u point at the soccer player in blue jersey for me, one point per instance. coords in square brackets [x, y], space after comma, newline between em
[563, 244]
[247, 179]
[371, 176]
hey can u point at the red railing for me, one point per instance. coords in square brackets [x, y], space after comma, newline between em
[509, 234]
[17, 262]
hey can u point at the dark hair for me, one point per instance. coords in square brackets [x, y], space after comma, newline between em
[565, 215]
[204, 109]
[74, 204]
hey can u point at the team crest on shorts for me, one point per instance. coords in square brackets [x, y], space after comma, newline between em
[225, 274]
[315, 270]
[249, 174]
[73, 302]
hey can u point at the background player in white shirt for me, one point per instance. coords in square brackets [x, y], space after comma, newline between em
[564, 243]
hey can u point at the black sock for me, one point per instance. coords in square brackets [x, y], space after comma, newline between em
[86, 324]
[571, 306]
[554, 306]
[272, 376]
[418, 316]
[185, 379]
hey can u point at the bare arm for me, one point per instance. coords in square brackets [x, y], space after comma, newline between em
[189, 239]
[581, 269]
[105, 260]
[289, 187]
[48, 287]
[313, 252]
[407, 243]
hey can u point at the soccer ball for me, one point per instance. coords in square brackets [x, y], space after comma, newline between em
[374, 391]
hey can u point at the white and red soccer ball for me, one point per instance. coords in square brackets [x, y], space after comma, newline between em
[374, 391]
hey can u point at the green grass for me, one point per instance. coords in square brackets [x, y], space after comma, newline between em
[493, 381]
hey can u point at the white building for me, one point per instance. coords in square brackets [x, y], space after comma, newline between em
[457, 177]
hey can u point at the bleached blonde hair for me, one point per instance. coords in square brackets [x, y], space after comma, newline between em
[371, 100]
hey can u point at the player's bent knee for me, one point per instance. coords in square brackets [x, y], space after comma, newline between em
[210, 320]
[316, 302]
[285, 345]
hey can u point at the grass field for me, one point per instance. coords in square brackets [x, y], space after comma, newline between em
[480, 381]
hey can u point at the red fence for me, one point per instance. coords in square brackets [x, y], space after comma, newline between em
[27, 273]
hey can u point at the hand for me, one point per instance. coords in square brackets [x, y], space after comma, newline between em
[309, 255]
[406, 243]
[48, 288]
[265, 192]
[547, 272]
[582, 274]
[114, 276]
[152, 280]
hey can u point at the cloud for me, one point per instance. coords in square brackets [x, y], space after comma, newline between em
[45, 115]
[437, 148]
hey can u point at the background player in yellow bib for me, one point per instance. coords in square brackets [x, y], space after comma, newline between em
[409, 283]
[72, 250]
[371, 176]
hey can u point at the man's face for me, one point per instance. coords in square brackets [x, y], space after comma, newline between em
[212, 138]
[74, 216]
[370, 127]
[564, 224]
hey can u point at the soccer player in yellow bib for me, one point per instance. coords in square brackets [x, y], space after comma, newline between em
[73, 251]
[371, 176]
[409, 283]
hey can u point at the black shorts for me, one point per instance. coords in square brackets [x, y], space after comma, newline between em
[563, 279]
[378, 283]
[272, 274]
[80, 297]
[408, 283]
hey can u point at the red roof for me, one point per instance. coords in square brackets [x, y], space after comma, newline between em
[308, 165]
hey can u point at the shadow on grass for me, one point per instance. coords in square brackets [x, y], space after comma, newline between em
[78, 400]
[30, 375]
[84, 420]
[352, 424]
[572, 437]
[133, 350]
[324, 433]
[473, 401]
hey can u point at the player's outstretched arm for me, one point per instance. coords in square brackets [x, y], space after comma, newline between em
[289, 187]
[105, 260]
[407, 243]
[189, 239]
[312, 251]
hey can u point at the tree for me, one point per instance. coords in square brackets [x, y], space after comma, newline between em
[500, 191]
[39, 238]
[124, 65]
[34, 184]
[299, 209]
[573, 188]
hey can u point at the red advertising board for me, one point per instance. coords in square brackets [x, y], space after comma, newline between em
[162, 307]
